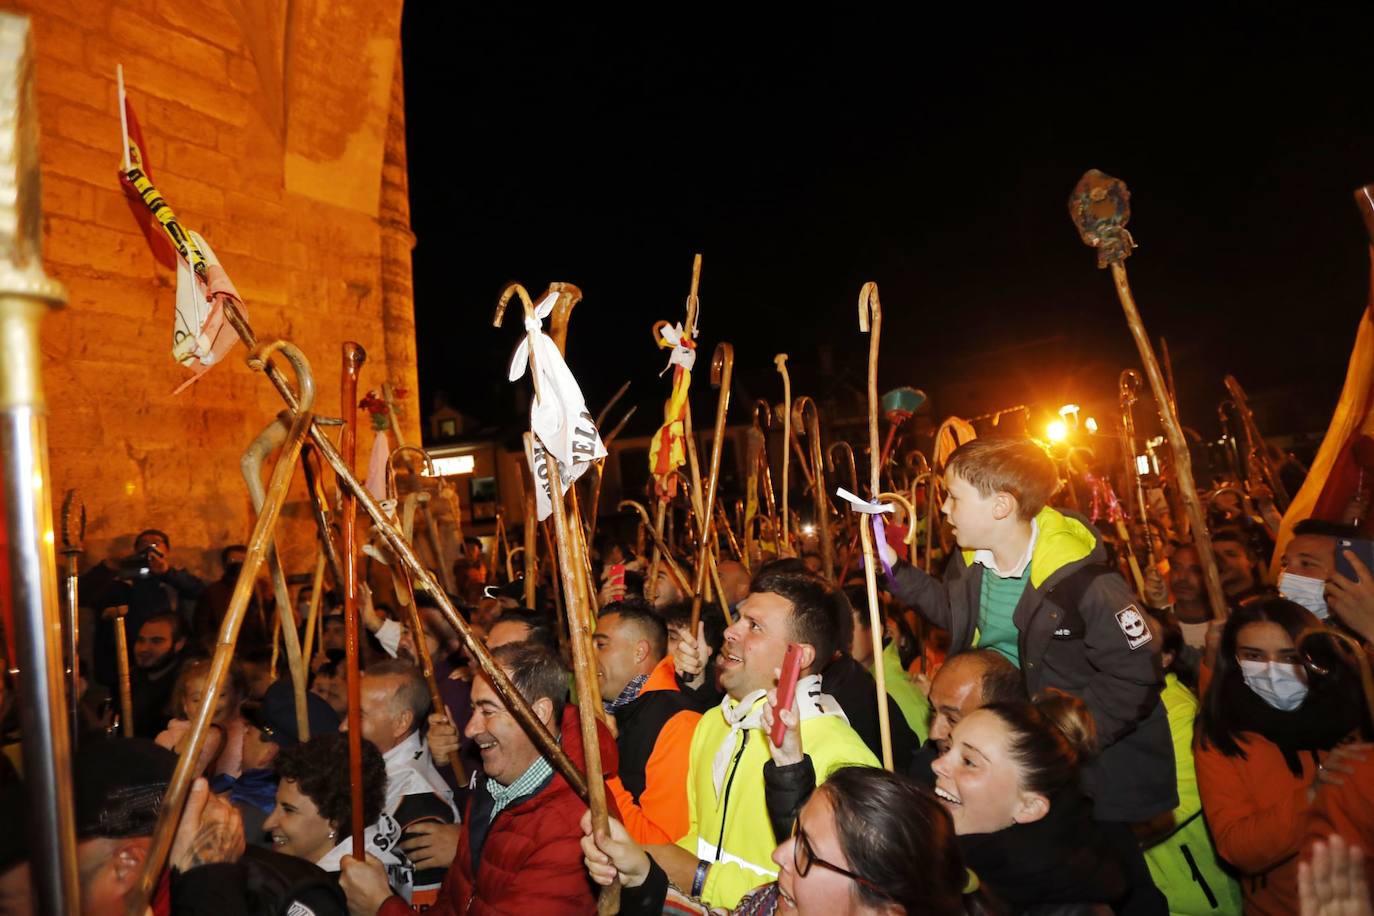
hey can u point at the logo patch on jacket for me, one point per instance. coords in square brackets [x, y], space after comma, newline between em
[1132, 623]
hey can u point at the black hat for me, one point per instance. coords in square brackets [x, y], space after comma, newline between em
[119, 786]
[276, 716]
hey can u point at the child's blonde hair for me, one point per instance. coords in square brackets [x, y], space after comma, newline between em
[235, 686]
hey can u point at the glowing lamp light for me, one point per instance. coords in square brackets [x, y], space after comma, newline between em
[1091, 424]
[1057, 431]
[1068, 409]
[808, 530]
[453, 465]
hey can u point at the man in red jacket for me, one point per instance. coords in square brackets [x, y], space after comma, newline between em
[521, 841]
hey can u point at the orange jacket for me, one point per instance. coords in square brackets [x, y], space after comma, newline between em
[1258, 811]
[655, 733]
[1347, 809]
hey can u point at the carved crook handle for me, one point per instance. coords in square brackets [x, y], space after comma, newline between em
[305, 378]
[722, 363]
[763, 420]
[869, 306]
[512, 289]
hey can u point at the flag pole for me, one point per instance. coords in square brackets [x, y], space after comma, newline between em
[123, 116]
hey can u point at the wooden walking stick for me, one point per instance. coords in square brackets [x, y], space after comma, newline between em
[251, 466]
[1258, 449]
[531, 546]
[400, 546]
[811, 419]
[353, 358]
[312, 614]
[126, 693]
[1100, 208]
[871, 320]
[584, 664]
[781, 362]
[679, 577]
[319, 509]
[1128, 385]
[572, 566]
[169, 813]
[73, 538]
[417, 633]
[722, 367]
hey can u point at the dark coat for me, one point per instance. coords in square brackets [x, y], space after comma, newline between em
[1083, 647]
[530, 858]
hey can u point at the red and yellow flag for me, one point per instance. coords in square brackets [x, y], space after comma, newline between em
[1344, 467]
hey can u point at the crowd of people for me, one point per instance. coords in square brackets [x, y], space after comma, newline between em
[1060, 743]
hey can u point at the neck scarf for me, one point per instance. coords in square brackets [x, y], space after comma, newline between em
[1319, 724]
[748, 713]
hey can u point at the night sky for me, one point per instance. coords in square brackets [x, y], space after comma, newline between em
[805, 156]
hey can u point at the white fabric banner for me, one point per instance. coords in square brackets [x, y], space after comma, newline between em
[558, 415]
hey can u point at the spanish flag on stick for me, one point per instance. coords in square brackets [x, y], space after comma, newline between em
[200, 337]
[1343, 471]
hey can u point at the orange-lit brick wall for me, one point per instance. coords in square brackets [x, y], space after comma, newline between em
[277, 131]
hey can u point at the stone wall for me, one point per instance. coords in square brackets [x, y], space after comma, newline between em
[277, 131]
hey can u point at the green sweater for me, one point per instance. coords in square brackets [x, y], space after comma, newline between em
[998, 602]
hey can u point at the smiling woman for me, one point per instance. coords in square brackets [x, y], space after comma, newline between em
[851, 851]
[313, 808]
[1010, 780]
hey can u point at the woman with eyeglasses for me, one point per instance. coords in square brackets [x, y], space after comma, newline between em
[1278, 728]
[865, 842]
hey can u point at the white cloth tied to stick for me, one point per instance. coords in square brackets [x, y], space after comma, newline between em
[748, 713]
[681, 355]
[201, 337]
[558, 414]
[858, 504]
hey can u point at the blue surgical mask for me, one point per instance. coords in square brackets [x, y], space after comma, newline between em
[1278, 684]
[1303, 590]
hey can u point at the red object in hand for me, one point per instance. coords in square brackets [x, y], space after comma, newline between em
[787, 690]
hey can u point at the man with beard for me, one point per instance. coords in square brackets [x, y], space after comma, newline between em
[159, 651]
[725, 853]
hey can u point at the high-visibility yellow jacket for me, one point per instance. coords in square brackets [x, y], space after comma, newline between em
[732, 830]
[1184, 864]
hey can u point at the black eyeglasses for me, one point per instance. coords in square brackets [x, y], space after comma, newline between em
[803, 857]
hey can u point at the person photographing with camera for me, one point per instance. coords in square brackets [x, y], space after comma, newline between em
[145, 581]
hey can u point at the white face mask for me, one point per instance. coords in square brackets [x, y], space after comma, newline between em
[1310, 593]
[1276, 683]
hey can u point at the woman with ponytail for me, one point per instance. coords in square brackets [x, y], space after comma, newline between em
[1010, 781]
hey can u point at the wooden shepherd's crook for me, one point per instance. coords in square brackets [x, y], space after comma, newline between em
[1100, 207]
[169, 813]
[572, 568]
[781, 362]
[722, 367]
[871, 320]
[174, 799]
[251, 465]
[811, 420]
